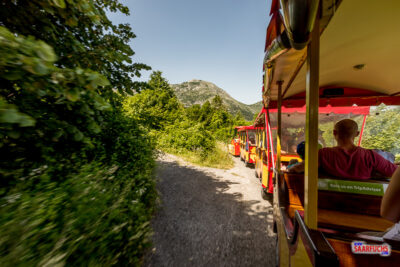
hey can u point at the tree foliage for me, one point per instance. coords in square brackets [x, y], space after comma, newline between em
[214, 117]
[81, 35]
[47, 111]
[178, 129]
[156, 107]
[382, 130]
[77, 184]
[160, 112]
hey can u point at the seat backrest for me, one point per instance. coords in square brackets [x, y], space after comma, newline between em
[355, 196]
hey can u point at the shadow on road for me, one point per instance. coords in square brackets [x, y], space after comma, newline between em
[200, 223]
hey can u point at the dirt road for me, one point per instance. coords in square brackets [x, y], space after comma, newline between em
[210, 217]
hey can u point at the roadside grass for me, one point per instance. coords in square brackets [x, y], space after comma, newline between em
[218, 158]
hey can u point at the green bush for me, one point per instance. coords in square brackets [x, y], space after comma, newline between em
[76, 183]
[95, 214]
[187, 136]
[215, 118]
[156, 107]
[190, 132]
[98, 216]
[160, 112]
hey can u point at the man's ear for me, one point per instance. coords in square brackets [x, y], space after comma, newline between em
[357, 134]
[334, 132]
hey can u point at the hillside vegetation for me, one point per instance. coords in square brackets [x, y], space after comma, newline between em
[198, 133]
[198, 92]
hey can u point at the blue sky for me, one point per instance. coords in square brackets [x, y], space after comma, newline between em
[220, 41]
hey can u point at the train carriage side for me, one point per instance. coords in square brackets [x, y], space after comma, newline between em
[328, 48]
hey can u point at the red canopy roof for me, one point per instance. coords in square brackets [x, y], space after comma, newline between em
[357, 110]
[348, 98]
[244, 128]
[328, 109]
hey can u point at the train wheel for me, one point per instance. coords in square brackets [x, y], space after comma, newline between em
[264, 194]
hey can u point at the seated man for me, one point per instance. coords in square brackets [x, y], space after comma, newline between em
[347, 160]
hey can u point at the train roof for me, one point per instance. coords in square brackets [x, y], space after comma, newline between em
[244, 128]
[359, 44]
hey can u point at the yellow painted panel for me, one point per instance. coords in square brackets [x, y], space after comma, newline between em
[288, 158]
[264, 179]
[258, 164]
[283, 247]
[300, 257]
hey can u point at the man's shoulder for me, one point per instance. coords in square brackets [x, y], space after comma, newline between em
[339, 151]
[327, 153]
[328, 150]
[365, 151]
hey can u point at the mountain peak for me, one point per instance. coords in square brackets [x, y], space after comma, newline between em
[198, 91]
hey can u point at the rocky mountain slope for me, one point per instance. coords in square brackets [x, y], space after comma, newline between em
[198, 91]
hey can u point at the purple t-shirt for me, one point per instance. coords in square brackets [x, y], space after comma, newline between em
[357, 164]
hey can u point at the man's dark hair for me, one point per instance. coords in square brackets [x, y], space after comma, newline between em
[346, 129]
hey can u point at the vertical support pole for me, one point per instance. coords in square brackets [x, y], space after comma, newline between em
[271, 160]
[279, 137]
[266, 145]
[311, 157]
[265, 78]
[362, 130]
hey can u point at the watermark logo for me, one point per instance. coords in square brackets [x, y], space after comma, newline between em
[360, 247]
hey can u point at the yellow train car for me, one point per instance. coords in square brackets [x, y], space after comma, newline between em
[234, 146]
[247, 135]
[293, 133]
[265, 162]
[322, 54]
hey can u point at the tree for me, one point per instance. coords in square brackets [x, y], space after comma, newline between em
[81, 35]
[206, 112]
[157, 82]
[156, 107]
[382, 130]
[62, 61]
[78, 172]
[193, 112]
[215, 118]
[217, 103]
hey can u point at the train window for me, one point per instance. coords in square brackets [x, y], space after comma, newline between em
[252, 136]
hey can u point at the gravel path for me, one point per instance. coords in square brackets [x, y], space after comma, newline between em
[210, 217]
